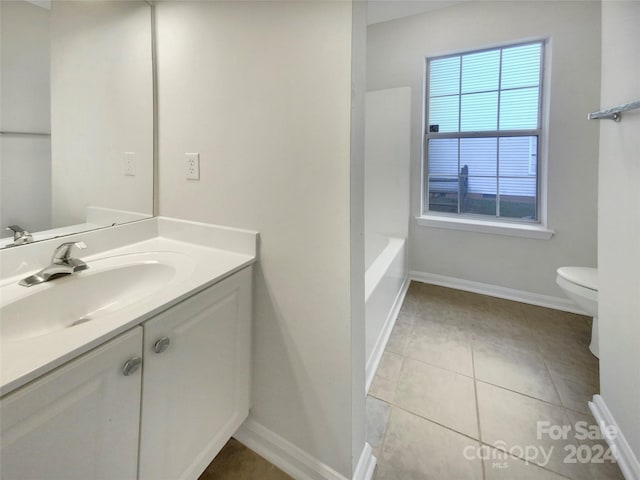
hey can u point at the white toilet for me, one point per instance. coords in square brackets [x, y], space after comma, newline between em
[580, 284]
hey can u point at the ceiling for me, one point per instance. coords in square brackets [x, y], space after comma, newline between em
[384, 10]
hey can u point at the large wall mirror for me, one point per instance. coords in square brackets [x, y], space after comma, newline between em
[76, 117]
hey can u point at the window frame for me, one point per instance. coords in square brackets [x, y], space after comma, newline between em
[481, 222]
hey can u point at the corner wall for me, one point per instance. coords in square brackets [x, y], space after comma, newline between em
[619, 221]
[262, 90]
[396, 53]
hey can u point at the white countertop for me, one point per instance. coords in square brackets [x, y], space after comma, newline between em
[23, 360]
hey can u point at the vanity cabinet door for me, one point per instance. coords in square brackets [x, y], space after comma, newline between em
[78, 422]
[196, 379]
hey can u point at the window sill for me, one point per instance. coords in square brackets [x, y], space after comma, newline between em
[483, 226]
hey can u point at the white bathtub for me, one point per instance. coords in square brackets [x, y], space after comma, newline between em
[385, 287]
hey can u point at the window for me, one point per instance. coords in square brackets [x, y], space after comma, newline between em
[483, 128]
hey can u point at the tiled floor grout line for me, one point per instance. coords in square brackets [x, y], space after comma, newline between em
[477, 403]
[395, 390]
[384, 439]
[413, 331]
[533, 398]
[479, 439]
[470, 438]
[546, 366]
[561, 405]
[528, 462]
[545, 361]
[391, 404]
[466, 435]
[378, 398]
[438, 366]
[386, 423]
[553, 382]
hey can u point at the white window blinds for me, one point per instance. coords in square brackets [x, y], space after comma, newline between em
[483, 129]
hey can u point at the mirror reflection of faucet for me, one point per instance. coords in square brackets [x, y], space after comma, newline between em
[62, 263]
[20, 235]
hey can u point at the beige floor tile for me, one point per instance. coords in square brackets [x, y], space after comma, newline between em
[507, 330]
[557, 324]
[515, 337]
[237, 462]
[511, 421]
[510, 367]
[383, 389]
[410, 307]
[436, 313]
[501, 466]
[443, 396]
[522, 347]
[563, 343]
[414, 300]
[431, 299]
[574, 372]
[375, 451]
[390, 366]
[595, 450]
[406, 319]
[569, 357]
[416, 449]
[441, 345]
[575, 391]
[377, 416]
[399, 338]
[580, 371]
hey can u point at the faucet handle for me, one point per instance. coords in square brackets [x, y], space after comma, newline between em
[15, 228]
[20, 235]
[63, 252]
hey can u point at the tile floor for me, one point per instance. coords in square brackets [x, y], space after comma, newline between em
[467, 377]
[237, 462]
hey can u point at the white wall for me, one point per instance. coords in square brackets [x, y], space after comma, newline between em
[396, 52]
[101, 107]
[262, 90]
[619, 220]
[25, 166]
[387, 161]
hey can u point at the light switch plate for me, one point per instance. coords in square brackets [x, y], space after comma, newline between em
[192, 165]
[130, 164]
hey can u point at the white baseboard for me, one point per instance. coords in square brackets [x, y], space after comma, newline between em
[627, 461]
[376, 354]
[366, 464]
[292, 459]
[548, 301]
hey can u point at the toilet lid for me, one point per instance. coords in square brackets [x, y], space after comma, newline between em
[584, 276]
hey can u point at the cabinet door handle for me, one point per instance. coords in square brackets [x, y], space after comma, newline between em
[161, 345]
[131, 366]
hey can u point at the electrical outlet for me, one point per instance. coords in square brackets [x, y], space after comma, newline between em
[192, 166]
[130, 164]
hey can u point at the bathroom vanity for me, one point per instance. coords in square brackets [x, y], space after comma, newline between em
[139, 366]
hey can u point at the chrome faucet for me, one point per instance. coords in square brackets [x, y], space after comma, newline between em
[62, 263]
[20, 235]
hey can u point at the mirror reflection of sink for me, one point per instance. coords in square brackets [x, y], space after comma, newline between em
[109, 285]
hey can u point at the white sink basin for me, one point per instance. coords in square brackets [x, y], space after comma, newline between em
[93, 295]
[138, 270]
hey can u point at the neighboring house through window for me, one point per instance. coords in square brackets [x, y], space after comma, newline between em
[483, 134]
